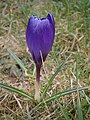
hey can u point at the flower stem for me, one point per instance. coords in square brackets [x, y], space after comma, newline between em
[37, 89]
[38, 73]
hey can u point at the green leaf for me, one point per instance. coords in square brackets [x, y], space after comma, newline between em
[20, 92]
[51, 79]
[17, 59]
[79, 109]
[65, 113]
[53, 76]
[27, 72]
[58, 95]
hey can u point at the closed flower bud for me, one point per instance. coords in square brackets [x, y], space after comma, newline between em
[40, 34]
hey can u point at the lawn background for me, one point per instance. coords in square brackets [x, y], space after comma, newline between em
[66, 67]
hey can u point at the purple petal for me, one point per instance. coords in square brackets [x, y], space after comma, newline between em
[40, 37]
[51, 19]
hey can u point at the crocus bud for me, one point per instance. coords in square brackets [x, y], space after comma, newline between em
[40, 34]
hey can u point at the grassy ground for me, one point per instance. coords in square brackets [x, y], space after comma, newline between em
[71, 51]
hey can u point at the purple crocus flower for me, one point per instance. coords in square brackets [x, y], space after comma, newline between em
[40, 34]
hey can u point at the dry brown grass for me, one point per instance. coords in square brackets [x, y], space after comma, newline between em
[71, 41]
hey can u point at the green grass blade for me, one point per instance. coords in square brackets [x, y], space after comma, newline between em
[79, 109]
[51, 79]
[27, 72]
[63, 110]
[65, 93]
[20, 92]
[65, 114]
[16, 58]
